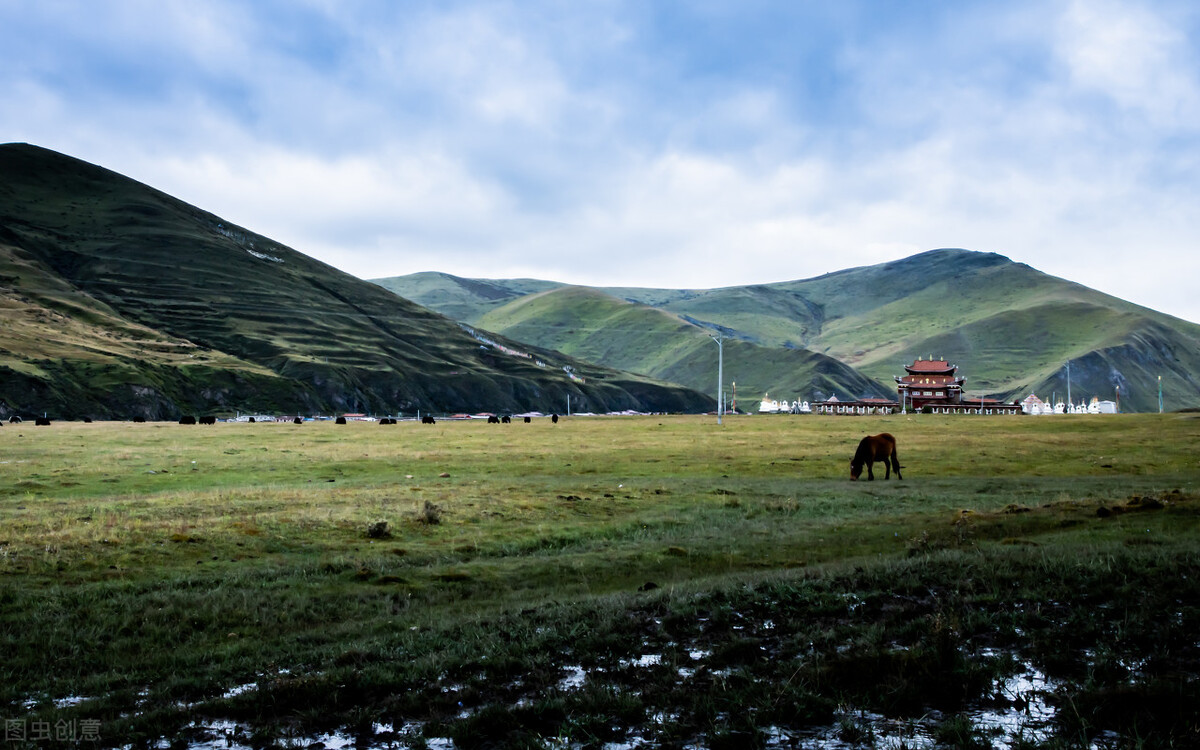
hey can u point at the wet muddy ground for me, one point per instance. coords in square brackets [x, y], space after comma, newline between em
[952, 650]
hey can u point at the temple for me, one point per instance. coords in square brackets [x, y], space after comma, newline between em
[932, 385]
[930, 382]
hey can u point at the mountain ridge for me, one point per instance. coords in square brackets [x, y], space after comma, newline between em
[598, 327]
[124, 300]
[1010, 328]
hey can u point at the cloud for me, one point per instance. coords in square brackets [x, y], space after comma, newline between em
[631, 143]
[1132, 56]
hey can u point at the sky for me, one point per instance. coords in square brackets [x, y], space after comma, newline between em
[655, 143]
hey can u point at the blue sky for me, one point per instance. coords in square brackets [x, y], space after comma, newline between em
[647, 143]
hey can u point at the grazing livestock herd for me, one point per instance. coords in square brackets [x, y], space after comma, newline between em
[872, 448]
[191, 419]
[187, 419]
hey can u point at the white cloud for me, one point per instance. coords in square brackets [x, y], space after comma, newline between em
[603, 144]
[1132, 55]
[352, 201]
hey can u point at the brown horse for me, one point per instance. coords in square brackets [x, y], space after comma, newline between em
[872, 448]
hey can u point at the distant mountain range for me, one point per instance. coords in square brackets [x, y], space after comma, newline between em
[119, 300]
[1011, 329]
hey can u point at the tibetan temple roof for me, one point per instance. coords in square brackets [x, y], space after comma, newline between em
[931, 366]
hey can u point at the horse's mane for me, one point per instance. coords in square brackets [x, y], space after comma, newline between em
[863, 453]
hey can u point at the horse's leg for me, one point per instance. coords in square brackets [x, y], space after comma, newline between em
[896, 464]
[887, 469]
[870, 474]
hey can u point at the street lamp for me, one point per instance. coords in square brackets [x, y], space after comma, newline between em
[720, 375]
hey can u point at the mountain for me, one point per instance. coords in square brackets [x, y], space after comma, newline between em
[120, 300]
[595, 326]
[1010, 328]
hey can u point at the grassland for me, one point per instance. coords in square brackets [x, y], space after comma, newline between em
[660, 580]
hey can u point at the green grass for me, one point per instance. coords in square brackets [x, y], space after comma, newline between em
[151, 568]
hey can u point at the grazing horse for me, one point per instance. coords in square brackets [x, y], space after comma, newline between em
[872, 448]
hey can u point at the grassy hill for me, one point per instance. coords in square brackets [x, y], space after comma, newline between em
[122, 300]
[467, 299]
[595, 326]
[1010, 328]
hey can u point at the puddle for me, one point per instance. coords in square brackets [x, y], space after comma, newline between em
[863, 729]
[1024, 716]
[237, 690]
[1028, 718]
[229, 735]
[574, 679]
[1018, 713]
[645, 660]
[29, 704]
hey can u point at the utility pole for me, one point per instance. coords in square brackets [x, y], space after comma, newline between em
[1068, 386]
[1160, 394]
[720, 375]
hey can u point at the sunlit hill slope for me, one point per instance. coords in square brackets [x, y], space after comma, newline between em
[598, 327]
[120, 300]
[1010, 328]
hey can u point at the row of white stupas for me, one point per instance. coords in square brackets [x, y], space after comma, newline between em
[772, 406]
[1031, 405]
[1034, 405]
